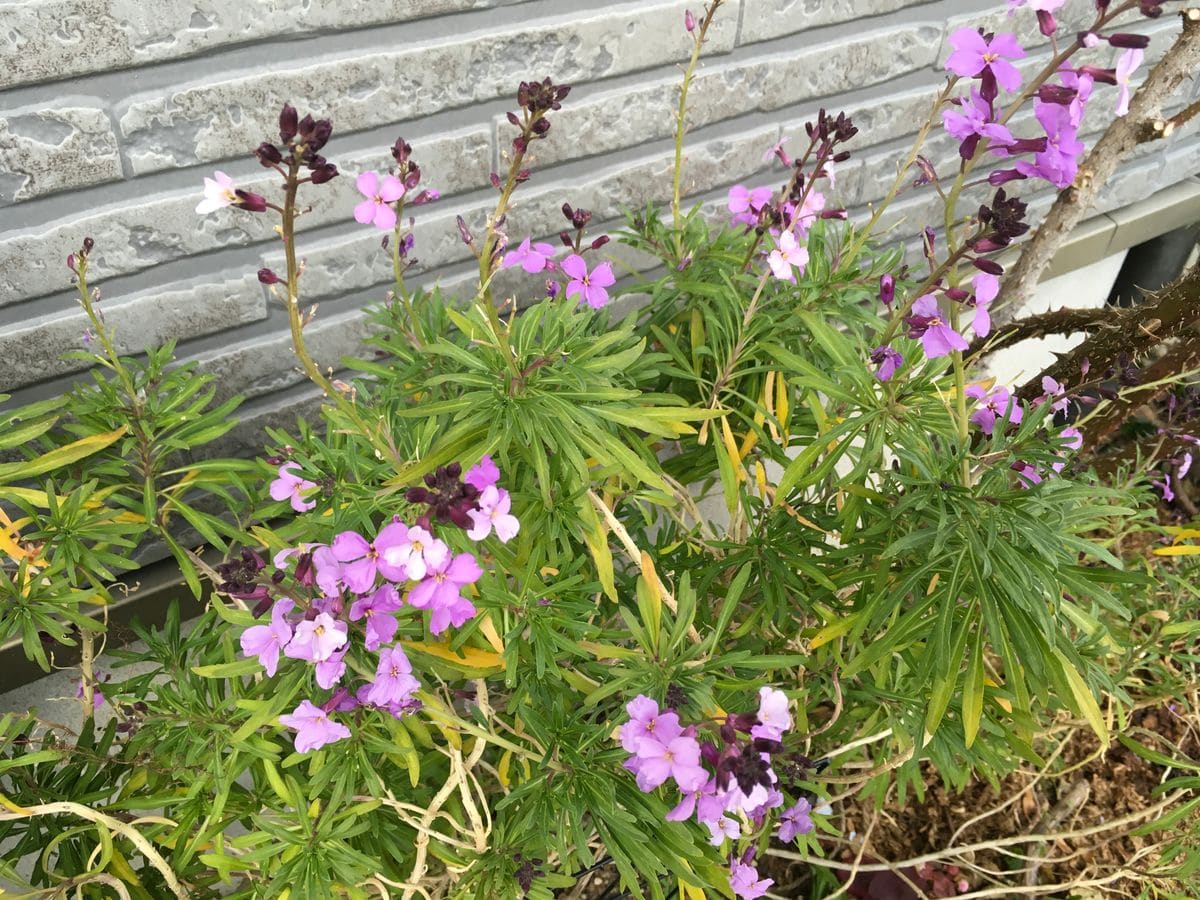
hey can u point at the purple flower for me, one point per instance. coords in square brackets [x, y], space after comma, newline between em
[926, 323]
[377, 208]
[330, 671]
[532, 258]
[986, 288]
[494, 504]
[317, 639]
[1081, 83]
[291, 487]
[646, 721]
[266, 641]
[795, 820]
[1126, 66]
[415, 553]
[1054, 394]
[787, 254]
[357, 556]
[705, 800]
[744, 880]
[997, 405]
[1185, 465]
[441, 591]
[313, 728]
[724, 827]
[974, 55]
[328, 571]
[589, 287]
[1164, 486]
[974, 120]
[377, 609]
[659, 758]
[745, 203]
[887, 360]
[1059, 162]
[483, 474]
[394, 682]
[773, 716]
[810, 209]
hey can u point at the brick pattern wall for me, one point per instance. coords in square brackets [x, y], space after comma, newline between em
[112, 111]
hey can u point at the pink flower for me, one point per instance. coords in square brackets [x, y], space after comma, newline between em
[317, 639]
[588, 287]
[986, 288]
[377, 208]
[745, 204]
[795, 820]
[483, 474]
[291, 487]
[973, 120]
[746, 884]
[533, 259]
[1126, 66]
[787, 254]
[330, 671]
[218, 192]
[394, 682]
[724, 827]
[645, 721]
[773, 716]
[494, 504]
[1059, 162]
[996, 406]
[266, 641]
[975, 55]
[887, 361]
[814, 203]
[441, 591]
[416, 553]
[361, 559]
[677, 758]
[313, 728]
[377, 609]
[926, 323]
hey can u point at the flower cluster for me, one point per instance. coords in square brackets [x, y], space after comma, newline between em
[320, 595]
[384, 196]
[726, 783]
[583, 284]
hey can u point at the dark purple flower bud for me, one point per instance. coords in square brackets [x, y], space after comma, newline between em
[324, 173]
[841, 156]
[268, 154]
[401, 150]
[1098, 74]
[1129, 41]
[968, 147]
[988, 244]
[552, 288]
[287, 123]
[520, 145]
[835, 214]
[1004, 176]
[71, 261]
[1102, 5]
[406, 244]
[1046, 22]
[1057, 93]
[88, 244]
[689, 21]
[495, 180]
[568, 212]
[522, 176]
[540, 128]
[266, 276]
[314, 133]
[887, 289]
[565, 237]
[464, 233]
[600, 241]
[580, 218]
[1151, 9]
[250, 201]
[958, 295]
[413, 178]
[988, 265]
[929, 242]
[1027, 145]
[989, 90]
[513, 118]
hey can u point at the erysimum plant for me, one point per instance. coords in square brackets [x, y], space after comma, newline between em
[564, 584]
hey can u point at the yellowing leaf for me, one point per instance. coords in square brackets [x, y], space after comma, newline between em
[731, 449]
[466, 658]
[1088, 707]
[832, 631]
[60, 456]
[1178, 550]
[488, 628]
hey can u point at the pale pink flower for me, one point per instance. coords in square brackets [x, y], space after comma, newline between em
[493, 513]
[381, 194]
[788, 254]
[218, 192]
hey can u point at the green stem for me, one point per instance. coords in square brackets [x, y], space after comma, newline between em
[398, 275]
[960, 403]
[680, 125]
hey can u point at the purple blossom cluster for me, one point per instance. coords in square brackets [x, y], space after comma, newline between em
[726, 784]
[586, 285]
[355, 586]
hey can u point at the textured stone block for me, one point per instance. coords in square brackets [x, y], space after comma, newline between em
[32, 352]
[210, 120]
[631, 116]
[155, 230]
[53, 149]
[766, 19]
[44, 40]
[264, 365]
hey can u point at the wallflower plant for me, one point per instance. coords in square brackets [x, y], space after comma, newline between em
[559, 585]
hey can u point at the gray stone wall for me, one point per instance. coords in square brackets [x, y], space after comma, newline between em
[113, 111]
